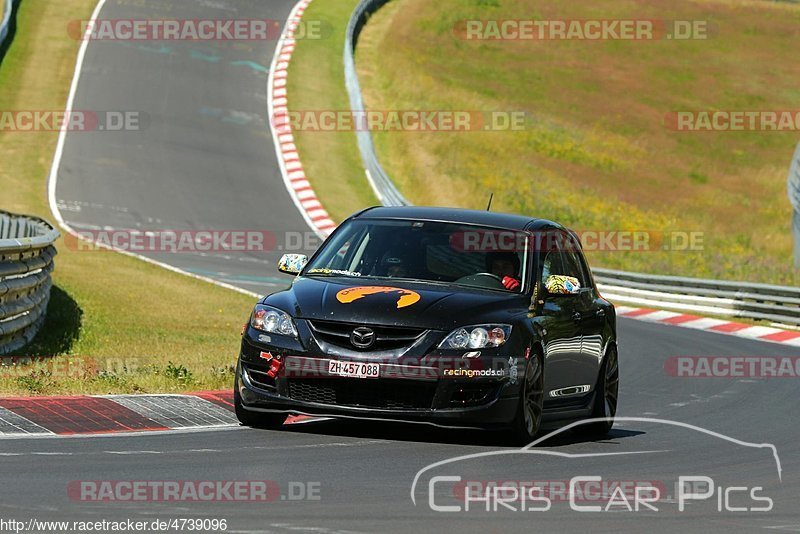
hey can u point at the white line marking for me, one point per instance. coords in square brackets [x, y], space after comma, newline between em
[132, 452]
[659, 315]
[54, 168]
[756, 331]
[214, 428]
[703, 324]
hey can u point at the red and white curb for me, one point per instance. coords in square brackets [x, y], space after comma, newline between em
[720, 326]
[110, 414]
[292, 171]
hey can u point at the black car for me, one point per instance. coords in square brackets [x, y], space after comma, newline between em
[435, 315]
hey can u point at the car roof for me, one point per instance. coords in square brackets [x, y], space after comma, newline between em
[495, 219]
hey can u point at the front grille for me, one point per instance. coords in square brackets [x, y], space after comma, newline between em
[259, 377]
[386, 337]
[367, 393]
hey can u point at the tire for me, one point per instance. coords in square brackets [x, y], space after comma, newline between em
[528, 418]
[605, 399]
[255, 419]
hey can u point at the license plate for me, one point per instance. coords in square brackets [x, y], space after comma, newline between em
[354, 369]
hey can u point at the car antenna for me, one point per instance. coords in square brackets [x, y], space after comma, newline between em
[489, 206]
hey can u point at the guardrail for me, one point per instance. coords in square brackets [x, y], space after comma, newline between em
[776, 304]
[8, 6]
[793, 187]
[383, 186]
[26, 261]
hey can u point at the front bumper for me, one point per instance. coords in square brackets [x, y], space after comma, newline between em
[414, 392]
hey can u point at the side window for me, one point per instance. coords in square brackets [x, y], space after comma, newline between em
[572, 267]
[344, 253]
[562, 258]
[586, 281]
[552, 263]
[573, 263]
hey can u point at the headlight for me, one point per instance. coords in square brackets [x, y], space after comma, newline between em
[272, 320]
[477, 336]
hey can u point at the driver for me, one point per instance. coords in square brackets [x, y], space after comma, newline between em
[504, 265]
[394, 266]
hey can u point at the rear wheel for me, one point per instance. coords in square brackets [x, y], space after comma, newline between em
[255, 419]
[528, 419]
[605, 399]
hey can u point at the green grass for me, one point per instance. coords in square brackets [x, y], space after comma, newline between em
[316, 83]
[595, 153]
[122, 321]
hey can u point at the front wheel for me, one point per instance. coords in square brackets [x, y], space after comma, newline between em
[255, 419]
[605, 398]
[528, 418]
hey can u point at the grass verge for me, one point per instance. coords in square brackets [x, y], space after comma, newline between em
[117, 324]
[596, 154]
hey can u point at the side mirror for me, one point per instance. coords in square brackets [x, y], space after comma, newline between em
[557, 284]
[292, 263]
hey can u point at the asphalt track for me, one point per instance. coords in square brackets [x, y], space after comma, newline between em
[201, 156]
[190, 169]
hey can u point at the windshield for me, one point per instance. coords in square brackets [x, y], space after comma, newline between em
[433, 252]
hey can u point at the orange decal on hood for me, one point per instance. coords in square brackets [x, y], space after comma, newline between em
[407, 297]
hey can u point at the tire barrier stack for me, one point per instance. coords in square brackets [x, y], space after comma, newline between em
[26, 261]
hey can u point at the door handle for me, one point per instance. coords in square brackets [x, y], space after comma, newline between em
[577, 317]
[600, 313]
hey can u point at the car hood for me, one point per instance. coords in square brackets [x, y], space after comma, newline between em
[396, 303]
